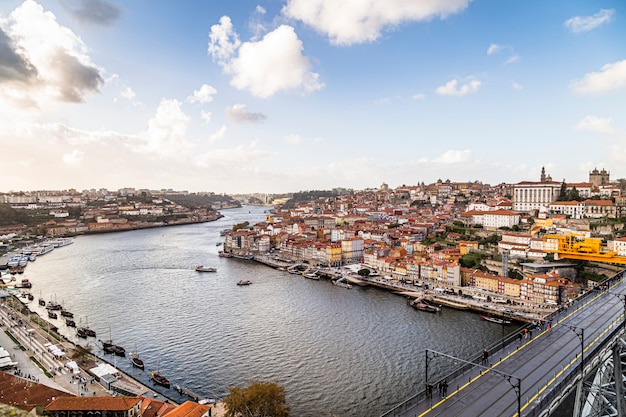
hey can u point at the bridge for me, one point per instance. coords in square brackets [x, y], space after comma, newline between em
[577, 350]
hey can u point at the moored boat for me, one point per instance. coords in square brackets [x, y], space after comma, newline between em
[109, 347]
[70, 323]
[419, 304]
[68, 314]
[225, 255]
[52, 315]
[136, 361]
[53, 306]
[160, 379]
[496, 320]
[311, 275]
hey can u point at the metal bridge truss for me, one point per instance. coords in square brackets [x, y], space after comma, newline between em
[601, 396]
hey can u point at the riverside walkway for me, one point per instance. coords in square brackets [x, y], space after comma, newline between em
[525, 376]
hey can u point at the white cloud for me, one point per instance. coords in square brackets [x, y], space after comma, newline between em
[166, 133]
[218, 135]
[453, 156]
[610, 77]
[260, 9]
[596, 124]
[293, 139]
[239, 156]
[265, 67]
[206, 116]
[274, 64]
[512, 59]
[452, 88]
[223, 41]
[350, 22]
[418, 96]
[74, 158]
[239, 113]
[517, 86]
[203, 95]
[579, 24]
[494, 48]
[128, 93]
[42, 61]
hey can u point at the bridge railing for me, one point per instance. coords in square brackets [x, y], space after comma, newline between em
[563, 387]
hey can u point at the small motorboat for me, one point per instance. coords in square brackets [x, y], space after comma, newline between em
[201, 268]
[244, 282]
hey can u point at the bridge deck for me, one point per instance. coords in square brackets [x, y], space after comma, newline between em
[541, 364]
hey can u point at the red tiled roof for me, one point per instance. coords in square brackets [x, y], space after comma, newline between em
[189, 409]
[93, 403]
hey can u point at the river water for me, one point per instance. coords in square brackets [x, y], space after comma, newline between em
[337, 352]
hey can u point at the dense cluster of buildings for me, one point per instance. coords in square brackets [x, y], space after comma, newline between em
[91, 211]
[410, 233]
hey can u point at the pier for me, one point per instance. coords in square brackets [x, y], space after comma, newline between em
[194, 396]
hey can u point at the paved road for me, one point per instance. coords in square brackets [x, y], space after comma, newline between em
[539, 362]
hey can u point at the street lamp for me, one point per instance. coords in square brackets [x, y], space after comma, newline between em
[580, 332]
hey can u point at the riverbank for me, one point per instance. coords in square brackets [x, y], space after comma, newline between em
[65, 367]
[455, 301]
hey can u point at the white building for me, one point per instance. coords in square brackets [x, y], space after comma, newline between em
[529, 196]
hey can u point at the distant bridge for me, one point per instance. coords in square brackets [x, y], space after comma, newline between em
[579, 350]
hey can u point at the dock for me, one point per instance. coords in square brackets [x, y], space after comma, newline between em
[194, 396]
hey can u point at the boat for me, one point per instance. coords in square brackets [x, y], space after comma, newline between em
[160, 379]
[419, 304]
[85, 332]
[52, 314]
[109, 347]
[496, 320]
[30, 297]
[45, 249]
[70, 323]
[26, 283]
[225, 255]
[342, 284]
[136, 360]
[224, 231]
[218, 243]
[42, 302]
[52, 305]
[244, 282]
[66, 313]
[311, 275]
[201, 268]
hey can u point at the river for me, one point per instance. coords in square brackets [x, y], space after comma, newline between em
[338, 352]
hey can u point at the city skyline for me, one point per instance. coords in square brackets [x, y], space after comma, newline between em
[286, 95]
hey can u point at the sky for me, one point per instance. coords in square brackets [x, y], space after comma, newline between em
[277, 96]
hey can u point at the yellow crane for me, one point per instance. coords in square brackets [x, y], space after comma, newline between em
[577, 246]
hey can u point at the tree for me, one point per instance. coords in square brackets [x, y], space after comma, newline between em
[563, 192]
[364, 272]
[259, 399]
